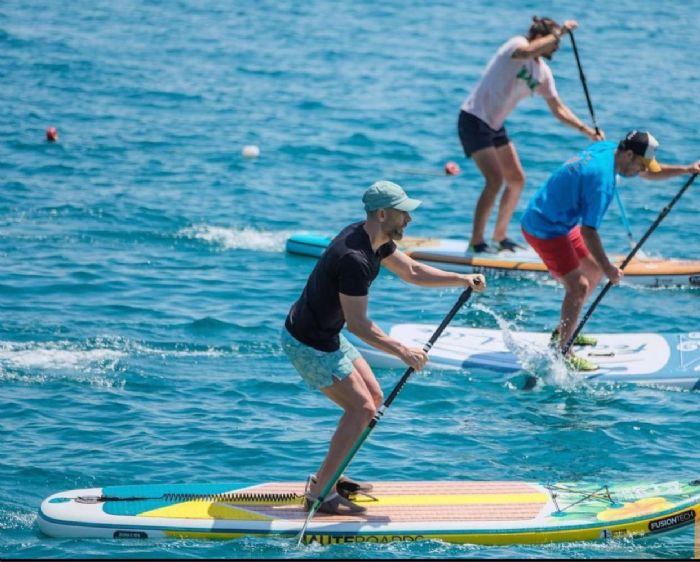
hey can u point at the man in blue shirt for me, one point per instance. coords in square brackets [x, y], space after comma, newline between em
[562, 220]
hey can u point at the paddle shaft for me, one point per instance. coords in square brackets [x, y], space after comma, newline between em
[626, 222]
[464, 297]
[666, 210]
[583, 82]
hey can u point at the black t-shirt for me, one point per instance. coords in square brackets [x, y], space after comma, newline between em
[347, 266]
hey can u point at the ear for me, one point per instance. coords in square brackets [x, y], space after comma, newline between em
[381, 215]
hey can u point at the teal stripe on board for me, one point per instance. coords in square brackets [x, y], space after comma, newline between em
[144, 279]
[152, 495]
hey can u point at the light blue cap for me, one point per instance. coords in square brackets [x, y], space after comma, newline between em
[388, 195]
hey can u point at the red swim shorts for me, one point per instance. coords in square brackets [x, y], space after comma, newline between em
[561, 255]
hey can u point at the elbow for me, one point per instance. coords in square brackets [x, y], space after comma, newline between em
[357, 327]
[560, 114]
[413, 275]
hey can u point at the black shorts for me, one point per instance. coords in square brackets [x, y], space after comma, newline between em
[475, 134]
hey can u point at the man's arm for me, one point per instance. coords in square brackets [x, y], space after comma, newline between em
[355, 312]
[541, 45]
[536, 47]
[671, 171]
[595, 246]
[416, 273]
[566, 116]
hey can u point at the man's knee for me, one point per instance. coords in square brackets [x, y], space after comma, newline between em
[516, 182]
[494, 181]
[365, 412]
[579, 288]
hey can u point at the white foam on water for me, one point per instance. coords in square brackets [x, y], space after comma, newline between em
[245, 238]
[57, 355]
[143, 349]
[42, 362]
[42, 378]
[542, 362]
[10, 519]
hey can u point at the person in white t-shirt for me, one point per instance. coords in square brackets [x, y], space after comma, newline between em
[514, 73]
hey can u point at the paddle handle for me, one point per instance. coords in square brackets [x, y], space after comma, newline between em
[665, 211]
[463, 298]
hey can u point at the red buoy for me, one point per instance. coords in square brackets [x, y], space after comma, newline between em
[51, 134]
[452, 169]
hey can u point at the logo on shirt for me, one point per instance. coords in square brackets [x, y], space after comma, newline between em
[576, 163]
[525, 75]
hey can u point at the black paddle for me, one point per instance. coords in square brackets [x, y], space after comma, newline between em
[583, 82]
[662, 215]
[464, 297]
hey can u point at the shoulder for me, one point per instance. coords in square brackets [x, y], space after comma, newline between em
[350, 230]
[516, 42]
[602, 153]
[387, 249]
[600, 162]
[513, 44]
[353, 262]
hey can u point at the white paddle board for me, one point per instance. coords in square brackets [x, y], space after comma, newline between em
[640, 358]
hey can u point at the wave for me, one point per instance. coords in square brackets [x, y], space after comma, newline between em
[99, 354]
[57, 355]
[231, 238]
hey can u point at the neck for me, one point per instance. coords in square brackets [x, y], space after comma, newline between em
[618, 161]
[376, 237]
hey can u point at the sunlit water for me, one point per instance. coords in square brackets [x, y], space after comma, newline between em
[144, 280]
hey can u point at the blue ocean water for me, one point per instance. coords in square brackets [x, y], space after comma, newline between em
[144, 280]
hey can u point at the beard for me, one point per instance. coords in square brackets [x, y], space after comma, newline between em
[628, 173]
[395, 233]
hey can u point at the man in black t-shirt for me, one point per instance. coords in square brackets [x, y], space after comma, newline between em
[336, 294]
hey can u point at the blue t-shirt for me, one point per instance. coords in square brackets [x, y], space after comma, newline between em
[578, 192]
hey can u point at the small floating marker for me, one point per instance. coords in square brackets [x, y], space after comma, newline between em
[452, 169]
[250, 151]
[51, 134]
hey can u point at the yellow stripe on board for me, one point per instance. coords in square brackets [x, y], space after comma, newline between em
[453, 499]
[206, 535]
[223, 511]
[205, 510]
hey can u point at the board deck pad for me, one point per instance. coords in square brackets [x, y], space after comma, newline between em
[647, 358]
[493, 512]
[454, 255]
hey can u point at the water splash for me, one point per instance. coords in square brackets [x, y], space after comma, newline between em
[16, 518]
[245, 238]
[541, 362]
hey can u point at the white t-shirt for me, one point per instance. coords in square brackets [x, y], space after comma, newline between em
[506, 81]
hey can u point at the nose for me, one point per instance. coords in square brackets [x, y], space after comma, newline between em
[407, 218]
